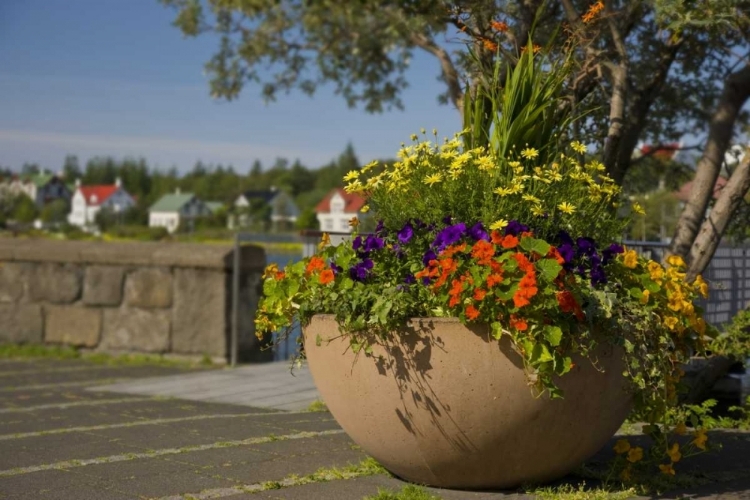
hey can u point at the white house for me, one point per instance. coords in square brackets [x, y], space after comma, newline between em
[336, 210]
[177, 208]
[88, 200]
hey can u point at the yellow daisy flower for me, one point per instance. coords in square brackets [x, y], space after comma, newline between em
[578, 147]
[635, 454]
[529, 153]
[566, 207]
[433, 179]
[621, 446]
[638, 209]
[498, 224]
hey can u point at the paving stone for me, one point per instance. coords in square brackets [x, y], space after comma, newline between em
[153, 477]
[19, 399]
[56, 484]
[49, 449]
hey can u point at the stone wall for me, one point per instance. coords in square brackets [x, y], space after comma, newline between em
[143, 297]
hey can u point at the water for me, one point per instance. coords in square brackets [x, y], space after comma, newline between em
[288, 347]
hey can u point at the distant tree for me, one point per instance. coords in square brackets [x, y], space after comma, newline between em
[24, 210]
[256, 170]
[71, 169]
[300, 179]
[55, 212]
[30, 169]
[307, 220]
[106, 218]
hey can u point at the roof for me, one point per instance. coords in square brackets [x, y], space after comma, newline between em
[265, 194]
[96, 195]
[663, 151]
[171, 202]
[683, 194]
[352, 202]
[213, 206]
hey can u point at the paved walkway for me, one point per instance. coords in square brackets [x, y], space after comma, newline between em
[73, 430]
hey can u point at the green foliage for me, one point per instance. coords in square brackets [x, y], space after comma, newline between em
[662, 210]
[55, 212]
[25, 210]
[137, 233]
[734, 341]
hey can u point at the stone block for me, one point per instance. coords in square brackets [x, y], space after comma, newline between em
[72, 325]
[149, 288]
[201, 311]
[21, 323]
[14, 278]
[132, 329]
[56, 283]
[102, 285]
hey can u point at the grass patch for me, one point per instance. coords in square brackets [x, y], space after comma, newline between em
[409, 492]
[317, 406]
[582, 492]
[39, 351]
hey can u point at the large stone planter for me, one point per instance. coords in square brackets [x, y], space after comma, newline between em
[445, 405]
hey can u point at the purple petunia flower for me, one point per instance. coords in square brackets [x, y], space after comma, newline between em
[379, 227]
[449, 236]
[357, 243]
[406, 233]
[598, 276]
[409, 279]
[360, 270]
[478, 233]
[447, 220]
[609, 252]
[564, 238]
[567, 252]
[336, 269]
[428, 256]
[586, 246]
[373, 243]
[515, 228]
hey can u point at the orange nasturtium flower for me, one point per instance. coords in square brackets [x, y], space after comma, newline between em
[489, 45]
[518, 323]
[674, 452]
[326, 277]
[472, 312]
[315, 264]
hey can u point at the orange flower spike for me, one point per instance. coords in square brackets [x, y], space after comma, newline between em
[590, 15]
[315, 264]
[326, 277]
[472, 313]
[489, 45]
[479, 294]
[499, 26]
[494, 279]
[483, 251]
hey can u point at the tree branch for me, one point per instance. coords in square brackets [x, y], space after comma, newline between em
[735, 94]
[446, 65]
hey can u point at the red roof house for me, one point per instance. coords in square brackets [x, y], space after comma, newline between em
[337, 209]
[88, 200]
[683, 194]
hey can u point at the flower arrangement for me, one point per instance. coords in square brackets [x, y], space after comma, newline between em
[518, 231]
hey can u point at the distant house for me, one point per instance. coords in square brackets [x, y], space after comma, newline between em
[87, 201]
[336, 210]
[41, 188]
[214, 206]
[177, 208]
[281, 210]
[683, 194]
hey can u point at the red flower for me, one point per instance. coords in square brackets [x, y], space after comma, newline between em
[326, 277]
[509, 241]
[567, 303]
[479, 294]
[518, 323]
[483, 251]
[315, 264]
[472, 313]
[555, 254]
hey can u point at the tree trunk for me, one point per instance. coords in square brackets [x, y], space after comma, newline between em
[736, 92]
[713, 227]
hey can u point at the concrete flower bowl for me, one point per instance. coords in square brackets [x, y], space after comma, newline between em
[446, 405]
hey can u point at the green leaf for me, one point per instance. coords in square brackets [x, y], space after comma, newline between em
[497, 330]
[540, 354]
[636, 293]
[549, 268]
[534, 245]
[553, 334]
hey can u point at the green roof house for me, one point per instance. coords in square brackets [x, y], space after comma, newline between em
[174, 209]
[42, 188]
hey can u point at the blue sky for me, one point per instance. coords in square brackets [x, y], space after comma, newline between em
[115, 78]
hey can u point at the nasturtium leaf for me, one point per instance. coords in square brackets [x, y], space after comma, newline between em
[549, 268]
[553, 334]
[534, 245]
